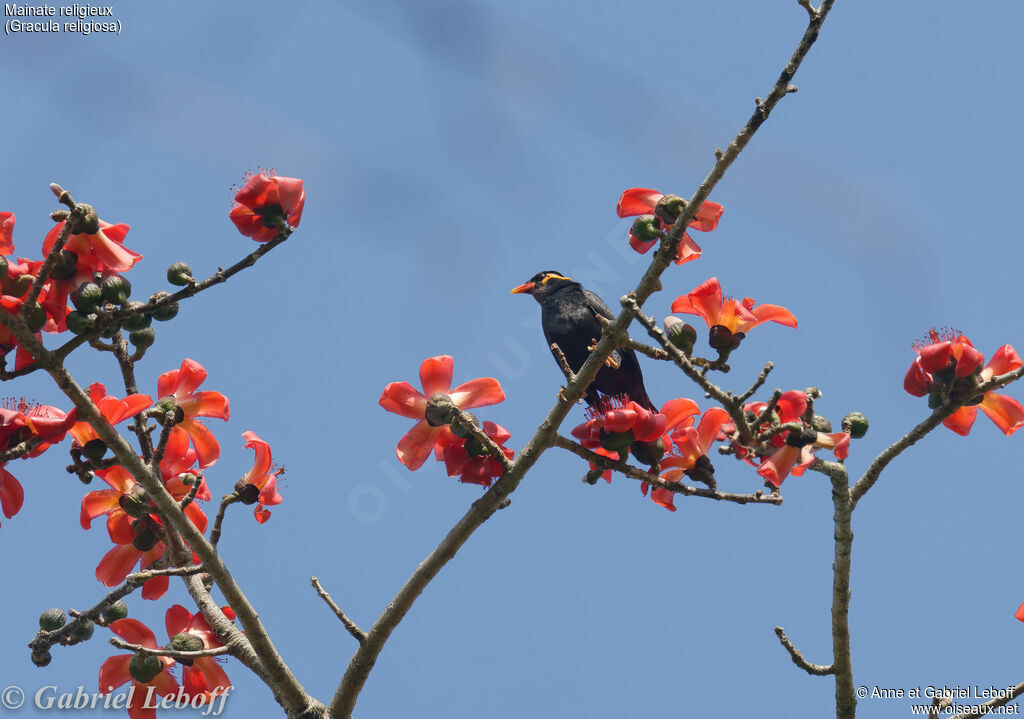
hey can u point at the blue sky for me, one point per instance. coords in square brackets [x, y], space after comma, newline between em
[451, 150]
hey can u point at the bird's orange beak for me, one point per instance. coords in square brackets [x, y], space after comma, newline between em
[521, 289]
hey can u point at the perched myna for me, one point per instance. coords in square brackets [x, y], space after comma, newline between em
[568, 314]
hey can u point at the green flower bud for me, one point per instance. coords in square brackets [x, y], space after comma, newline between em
[87, 297]
[83, 632]
[41, 657]
[35, 318]
[142, 339]
[186, 643]
[78, 323]
[180, 274]
[681, 334]
[645, 229]
[117, 610]
[116, 289]
[821, 424]
[167, 312]
[4, 266]
[138, 321]
[52, 619]
[593, 475]
[856, 424]
[136, 503]
[144, 667]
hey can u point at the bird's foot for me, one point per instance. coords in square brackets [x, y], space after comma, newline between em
[563, 398]
[611, 361]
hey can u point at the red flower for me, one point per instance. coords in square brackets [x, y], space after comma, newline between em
[435, 378]
[115, 671]
[471, 465]
[126, 503]
[264, 198]
[690, 444]
[114, 410]
[619, 423]
[202, 675]
[949, 362]
[18, 425]
[793, 452]
[102, 250]
[706, 301]
[181, 384]
[260, 478]
[6, 233]
[647, 231]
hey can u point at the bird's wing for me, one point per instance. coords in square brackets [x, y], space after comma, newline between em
[625, 358]
[597, 305]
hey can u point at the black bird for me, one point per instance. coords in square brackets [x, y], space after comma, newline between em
[568, 314]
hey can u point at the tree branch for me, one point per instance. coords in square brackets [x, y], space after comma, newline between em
[172, 653]
[599, 460]
[818, 670]
[352, 627]
[987, 707]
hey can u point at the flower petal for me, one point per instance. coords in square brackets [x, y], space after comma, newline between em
[134, 632]
[477, 393]
[705, 301]
[401, 398]
[1005, 411]
[637, 201]
[962, 420]
[415, 447]
[114, 672]
[436, 374]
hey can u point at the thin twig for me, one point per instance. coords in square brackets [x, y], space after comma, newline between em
[987, 707]
[165, 652]
[761, 378]
[599, 460]
[226, 501]
[352, 627]
[818, 670]
[652, 352]
[45, 640]
[563, 363]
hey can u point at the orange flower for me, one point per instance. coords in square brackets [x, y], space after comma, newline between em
[949, 363]
[114, 410]
[435, 378]
[117, 670]
[265, 198]
[181, 384]
[102, 250]
[706, 301]
[658, 213]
